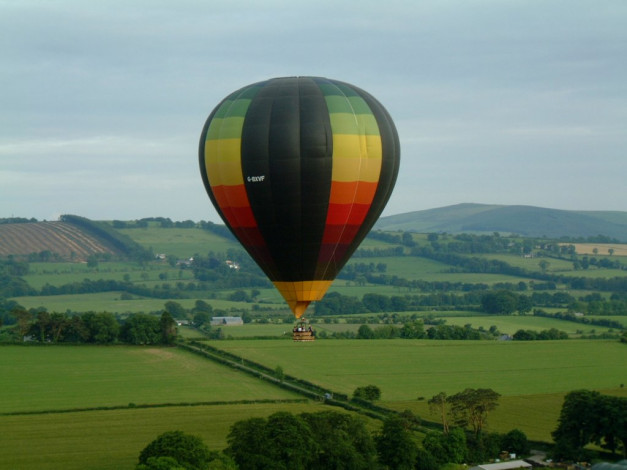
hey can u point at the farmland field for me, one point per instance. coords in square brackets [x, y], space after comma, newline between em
[536, 414]
[531, 376]
[113, 303]
[406, 369]
[512, 323]
[180, 242]
[57, 274]
[67, 377]
[620, 249]
[113, 439]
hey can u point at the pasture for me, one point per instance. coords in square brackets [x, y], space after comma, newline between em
[114, 303]
[407, 369]
[510, 324]
[37, 378]
[532, 378]
[180, 242]
[618, 249]
[113, 439]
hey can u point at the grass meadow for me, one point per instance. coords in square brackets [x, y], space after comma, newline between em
[180, 242]
[408, 369]
[113, 439]
[55, 381]
[112, 302]
[512, 323]
[39, 378]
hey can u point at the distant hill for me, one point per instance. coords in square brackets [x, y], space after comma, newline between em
[523, 220]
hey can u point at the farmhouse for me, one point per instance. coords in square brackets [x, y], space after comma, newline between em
[509, 465]
[227, 321]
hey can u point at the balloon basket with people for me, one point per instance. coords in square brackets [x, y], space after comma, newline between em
[303, 331]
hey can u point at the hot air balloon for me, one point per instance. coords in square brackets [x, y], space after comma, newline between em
[299, 169]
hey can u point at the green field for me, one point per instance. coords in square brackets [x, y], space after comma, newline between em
[536, 414]
[113, 303]
[407, 369]
[511, 324]
[66, 377]
[532, 378]
[180, 242]
[112, 440]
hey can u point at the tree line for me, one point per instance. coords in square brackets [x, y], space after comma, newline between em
[94, 328]
[330, 439]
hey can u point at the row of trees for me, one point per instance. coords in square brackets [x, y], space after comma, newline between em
[95, 328]
[326, 440]
[416, 330]
[502, 302]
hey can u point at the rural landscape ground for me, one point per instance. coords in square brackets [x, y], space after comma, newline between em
[97, 406]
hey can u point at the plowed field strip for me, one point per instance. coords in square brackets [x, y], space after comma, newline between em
[57, 237]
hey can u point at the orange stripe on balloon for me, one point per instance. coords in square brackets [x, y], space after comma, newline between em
[360, 192]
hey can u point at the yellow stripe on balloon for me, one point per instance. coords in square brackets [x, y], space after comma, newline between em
[356, 169]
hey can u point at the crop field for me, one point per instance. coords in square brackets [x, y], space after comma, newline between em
[100, 302]
[531, 264]
[406, 267]
[67, 377]
[511, 324]
[536, 414]
[619, 249]
[113, 303]
[57, 237]
[532, 378]
[406, 369]
[113, 439]
[55, 380]
[180, 242]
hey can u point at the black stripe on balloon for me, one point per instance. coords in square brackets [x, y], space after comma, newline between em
[286, 161]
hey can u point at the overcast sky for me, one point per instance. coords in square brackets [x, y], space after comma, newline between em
[496, 101]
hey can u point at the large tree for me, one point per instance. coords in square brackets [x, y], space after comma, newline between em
[502, 302]
[188, 451]
[395, 445]
[168, 328]
[313, 441]
[589, 417]
[439, 404]
[471, 407]
[343, 441]
[282, 441]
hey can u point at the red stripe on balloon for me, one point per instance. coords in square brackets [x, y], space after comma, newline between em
[346, 214]
[339, 233]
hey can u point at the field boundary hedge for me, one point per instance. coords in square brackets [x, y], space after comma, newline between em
[133, 406]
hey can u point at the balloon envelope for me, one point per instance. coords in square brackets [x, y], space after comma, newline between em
[299, 169]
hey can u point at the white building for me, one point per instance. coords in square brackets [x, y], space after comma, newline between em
[508, 465]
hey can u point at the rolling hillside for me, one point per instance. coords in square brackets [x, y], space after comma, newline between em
[61, 238]
[523, 220]
[74, 241]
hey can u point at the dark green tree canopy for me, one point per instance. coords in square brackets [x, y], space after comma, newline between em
[188, 451]
[312, 441]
